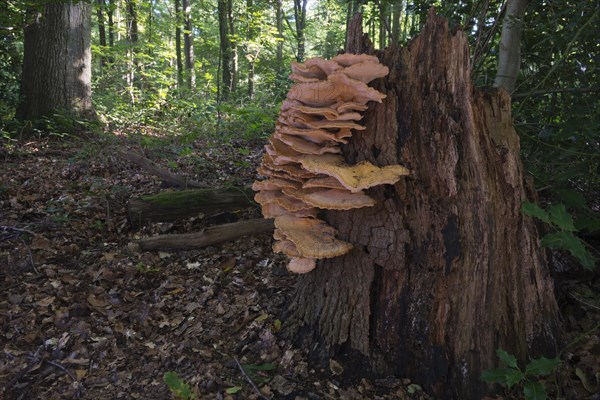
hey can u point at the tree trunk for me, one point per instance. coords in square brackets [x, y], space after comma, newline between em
[445, 269]
[178, 43]
[251, 53]
[111, 25]
[225, 49]
[171, 205]
[279, 26]
[132, 39]
[509, 58]
[57, 62]
[396, 18]
[101, 28]
[300, 17]
[234, 46]
[188, 44]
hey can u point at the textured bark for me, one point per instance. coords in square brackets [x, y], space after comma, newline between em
[225, 50]
[300, 18]
[178, 53]
[188, 44]
[234, 47]
[279, 26]
[209, 237]
[111, 25]
[445, 269]
[169, 206]
[509, 58]
[57, 62]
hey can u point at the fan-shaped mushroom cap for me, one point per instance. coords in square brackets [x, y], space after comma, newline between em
[322, 182]
[274, 184]
[328, 112]
[318, 94]
[366, 71]
[327, 66]
[314, 135]
[272, 210]
[301, 265]
[348, 59]
[313, 238]
[331, 199]
[349, 89]
[353, 177]
[343, 107]
[296, 77]
[274, 196]
[303, 146]
[286, 247]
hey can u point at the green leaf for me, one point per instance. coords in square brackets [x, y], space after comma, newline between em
[560, 217]
[507, 359]
[514, 377]
[566, 240]
[233, 390]
[262, 367]
[572, 199]
[534, 391]
[177, 386]
[497, 375]
[534, 210]
[542, 366]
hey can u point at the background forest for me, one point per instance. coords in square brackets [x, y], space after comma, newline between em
[196, 85]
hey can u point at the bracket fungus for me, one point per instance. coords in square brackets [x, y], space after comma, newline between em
[302, 164]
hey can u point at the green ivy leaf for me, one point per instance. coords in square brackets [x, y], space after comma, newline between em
[560, 217]
[508, 359]
[542, 366]
[534, 391]
[534, 210]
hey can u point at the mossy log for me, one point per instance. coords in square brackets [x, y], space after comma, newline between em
[210, 236]
[170, 205]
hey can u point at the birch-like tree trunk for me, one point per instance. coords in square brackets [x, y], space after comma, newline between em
[225, 50]
[509, 58]
[300, 17]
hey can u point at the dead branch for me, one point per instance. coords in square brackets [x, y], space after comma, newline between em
[211, 236]
[167, 176]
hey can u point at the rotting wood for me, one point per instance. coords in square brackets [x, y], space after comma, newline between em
[445, 269]
[167, 177]
[170, 205]
[210, 236]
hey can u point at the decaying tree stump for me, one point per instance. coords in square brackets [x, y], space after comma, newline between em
[445, 269]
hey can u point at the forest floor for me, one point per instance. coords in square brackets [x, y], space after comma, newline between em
[84, 317]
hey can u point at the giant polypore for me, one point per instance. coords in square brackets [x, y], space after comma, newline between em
[304, 169]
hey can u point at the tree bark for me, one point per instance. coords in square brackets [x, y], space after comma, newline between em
[57, 62]
[445, 269]
[234, 46]
[225, 50]
[300, 17]
[111, 25]
[178, 43]
[279, 26]
[188, 44]
[101, 27]
[251, 55]
[509, 58]
[209, 237]
[171, 205]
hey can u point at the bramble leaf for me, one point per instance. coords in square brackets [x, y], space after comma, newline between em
[534, 391]
[534, 210]
[542, 366]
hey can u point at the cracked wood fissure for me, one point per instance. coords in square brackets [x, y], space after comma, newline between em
[445, 269]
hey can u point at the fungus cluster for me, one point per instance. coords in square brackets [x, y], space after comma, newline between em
[304, 169]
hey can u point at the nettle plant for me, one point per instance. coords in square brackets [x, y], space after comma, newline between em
[509, 374]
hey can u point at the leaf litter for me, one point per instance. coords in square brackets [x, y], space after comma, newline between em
[83, 317]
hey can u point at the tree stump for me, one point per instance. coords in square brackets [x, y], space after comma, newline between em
[445, 269]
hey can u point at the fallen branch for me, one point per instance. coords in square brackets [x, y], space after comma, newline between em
[168, 177]
[211, 236]
[170, 205]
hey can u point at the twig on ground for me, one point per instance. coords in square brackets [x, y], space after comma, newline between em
[584, 302]
[254, 387]
[66, 371]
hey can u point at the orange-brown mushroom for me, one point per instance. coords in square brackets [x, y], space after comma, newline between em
[303, 170]
[313, 238]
